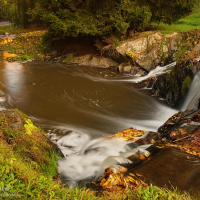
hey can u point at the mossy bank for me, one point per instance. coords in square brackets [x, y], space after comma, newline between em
[28, 168]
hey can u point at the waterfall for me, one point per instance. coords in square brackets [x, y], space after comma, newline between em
[86, 159]
[193, 96]
[155, 72]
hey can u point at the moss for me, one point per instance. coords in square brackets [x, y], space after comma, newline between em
[116, 43]
[185, 85]
[29, 126]
[69, 59]
[181, 52]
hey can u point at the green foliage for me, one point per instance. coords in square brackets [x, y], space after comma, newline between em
[190, 22]
[26, 46]
[94, 18]
[8, 10]
[69, 59]
[169, 11]
[28, 165]
[16, 11]
[155, 193]
[90, 17]
[10, 29]
[116, 43]
[186, 85]
[193, 19]
[164, 55]
[21, 57]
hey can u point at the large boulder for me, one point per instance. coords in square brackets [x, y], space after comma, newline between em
[150, 49]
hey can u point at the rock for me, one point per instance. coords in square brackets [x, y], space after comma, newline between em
[150, 48]
[174, 38]
[39, 57]
[171, 168]
[159, 87]
[102, 62]
[136, 46]
[195, 67]
[6, 34]
[154, 38]
[121, 68]
[92, 61]
[134, 70]
[127, 69]
[137, 71]
[16, 122]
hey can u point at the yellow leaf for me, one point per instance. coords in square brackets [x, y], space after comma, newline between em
[130, 178]
[142, 157]
[131, 174]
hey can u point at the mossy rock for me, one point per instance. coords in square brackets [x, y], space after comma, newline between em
[25, 138]
[186, 85]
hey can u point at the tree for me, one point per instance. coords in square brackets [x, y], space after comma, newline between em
[16, 11]
[91, 17]
[169, 11]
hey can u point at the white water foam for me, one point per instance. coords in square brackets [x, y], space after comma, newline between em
[136, 79]
[193, 95]
[157, 71]
[87, 159]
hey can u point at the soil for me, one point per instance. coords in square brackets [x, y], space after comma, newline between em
[77, 46]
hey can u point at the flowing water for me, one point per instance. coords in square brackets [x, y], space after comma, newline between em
[77, 106]
[193, 98]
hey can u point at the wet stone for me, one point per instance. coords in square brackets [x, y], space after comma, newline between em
[172, 167]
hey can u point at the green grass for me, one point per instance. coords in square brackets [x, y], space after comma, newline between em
[190, 22]
[11, 29]
[27, 45]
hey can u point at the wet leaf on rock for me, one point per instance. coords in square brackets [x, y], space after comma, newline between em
[129, 134]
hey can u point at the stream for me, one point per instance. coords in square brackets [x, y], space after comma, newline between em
[78, 98]
[78, 106]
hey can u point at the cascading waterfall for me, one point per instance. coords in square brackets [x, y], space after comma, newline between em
[157, 71]
[193, 96]
[86, 159]
[73, 101]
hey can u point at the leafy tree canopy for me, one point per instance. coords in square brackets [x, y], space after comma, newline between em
[93, 17]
